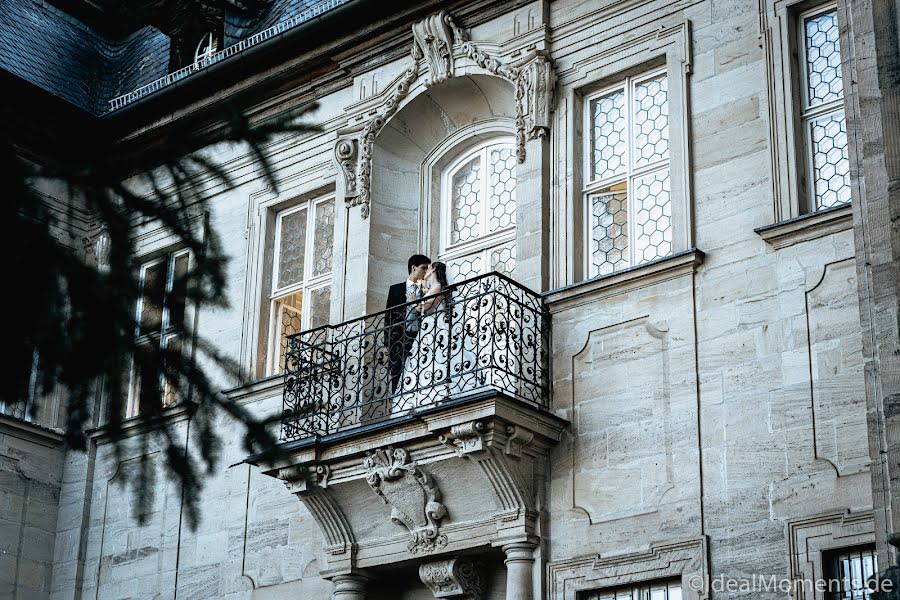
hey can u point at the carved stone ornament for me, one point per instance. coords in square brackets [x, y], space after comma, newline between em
[310, 484]
[436, 40]
[466, 437]
[346, 154]
[412, 495]
[453, 578]
[98, 248]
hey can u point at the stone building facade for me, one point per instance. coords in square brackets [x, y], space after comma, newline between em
[699, 198]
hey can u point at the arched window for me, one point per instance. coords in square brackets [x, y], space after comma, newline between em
[206, 47]
[478, 216]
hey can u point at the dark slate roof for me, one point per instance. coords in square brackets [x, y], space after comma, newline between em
[237, 29]
[61, 55]
[54, 51]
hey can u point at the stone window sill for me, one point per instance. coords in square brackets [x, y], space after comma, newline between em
[139, 424]
[29, 431]
[632, 278]
[807, 227]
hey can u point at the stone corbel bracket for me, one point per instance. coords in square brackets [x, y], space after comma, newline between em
[456, 577]
[438, 42]
[412, 495]
[434, 41]
[510, 461]
[311, 487]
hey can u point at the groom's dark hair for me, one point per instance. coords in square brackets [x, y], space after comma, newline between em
[415, 260]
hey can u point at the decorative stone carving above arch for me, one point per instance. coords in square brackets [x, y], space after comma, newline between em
[439, 44]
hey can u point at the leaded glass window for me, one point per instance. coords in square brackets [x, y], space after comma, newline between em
[627, 188]
[823, 122]
[160, 334]
[850, 573]
[479, 224]
[301, 281]
[658, 591]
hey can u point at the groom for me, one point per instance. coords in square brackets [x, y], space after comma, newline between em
[403, 323]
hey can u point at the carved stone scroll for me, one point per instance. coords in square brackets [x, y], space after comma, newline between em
[537, 83]
[412, 495]
[346, 154]
[435, 41]
[497, 449]
[453, 578]
[310, 486]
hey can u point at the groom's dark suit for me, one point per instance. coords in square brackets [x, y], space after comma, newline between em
[402, 327]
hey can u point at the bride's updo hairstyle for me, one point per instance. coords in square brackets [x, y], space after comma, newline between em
[440, 272]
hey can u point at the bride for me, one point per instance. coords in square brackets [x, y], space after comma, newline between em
[435, 357]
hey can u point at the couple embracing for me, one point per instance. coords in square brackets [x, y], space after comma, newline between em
[418, 334]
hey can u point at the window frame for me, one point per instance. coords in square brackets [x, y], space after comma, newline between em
[165, 332]
[483, 244]
[784, 46]
[831, 569]
[807, 114]
[590, 186]
[635, 591]
[307, 286]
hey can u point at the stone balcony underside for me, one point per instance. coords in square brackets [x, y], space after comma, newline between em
[462, 478]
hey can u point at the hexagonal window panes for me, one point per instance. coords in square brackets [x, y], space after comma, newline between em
[319, 306]
[466, 201]
[609, 232]
[479, 199]
[502, 165]
[651, 121]
[653, 216]
[823, 59]
[627, 211]
[503, 258]
[831, 165]
[465, 267]
[609, 141]
[823, 113]
[323, 244]
[289, 319]
[292, 248]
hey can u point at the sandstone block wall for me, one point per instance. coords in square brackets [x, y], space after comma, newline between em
[716, 400]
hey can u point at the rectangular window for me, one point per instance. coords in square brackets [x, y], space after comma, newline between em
[160, 329]
[822, 110]
[848, 572]
[301, 273]
[627, 187]
[658, 591]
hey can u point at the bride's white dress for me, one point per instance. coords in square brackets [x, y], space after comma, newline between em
[440, 362]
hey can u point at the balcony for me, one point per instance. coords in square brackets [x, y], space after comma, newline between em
[421, 435]
[487, 336]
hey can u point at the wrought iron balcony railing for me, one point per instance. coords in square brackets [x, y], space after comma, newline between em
[485, 335]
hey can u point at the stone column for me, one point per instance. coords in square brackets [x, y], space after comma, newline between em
[519, 565]
[349, 587]
[533, 216]
[873, 130]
